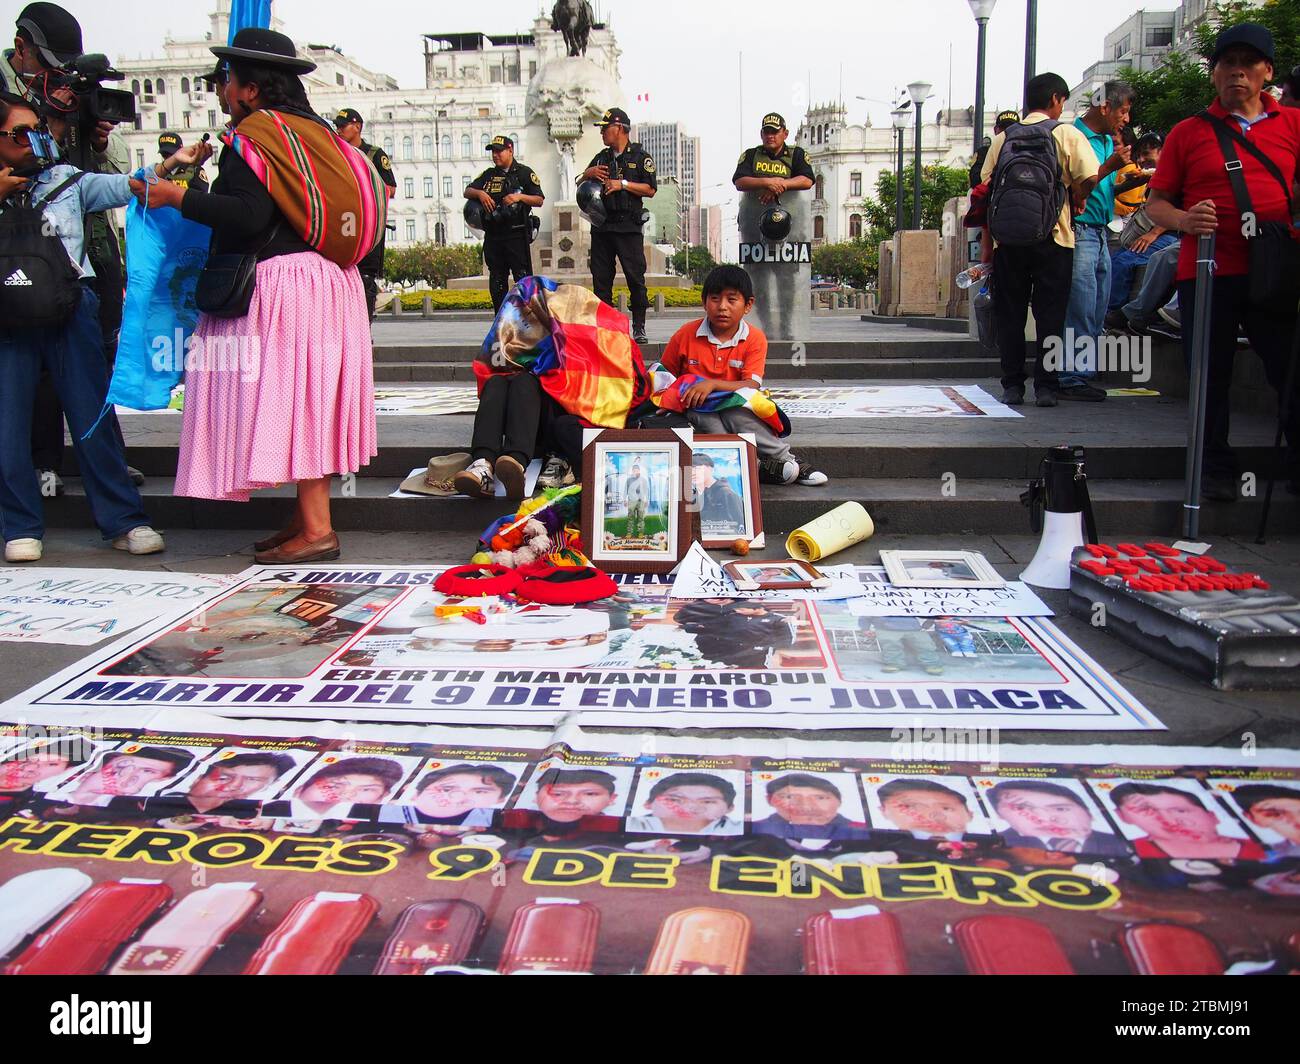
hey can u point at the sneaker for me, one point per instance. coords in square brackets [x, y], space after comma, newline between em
[1082, 393]
[1115, 321]
[1137, 326]
[1171, 315]
[512, 475]
[810, 476]
[557, 473]
[639, 333]
[1013, 396]
[1044, 397]
[771, 471]
[1159, 327]
[476, 480]
[23, 550]
[142, 540]
[137, 478]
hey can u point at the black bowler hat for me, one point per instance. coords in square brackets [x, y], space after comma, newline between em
[1249, 34]
[169, 143]
[615, 116]
[267, 48]
[501, 144]
[54, 32]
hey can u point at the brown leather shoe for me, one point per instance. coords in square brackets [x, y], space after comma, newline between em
[323, 550]
[271, 542]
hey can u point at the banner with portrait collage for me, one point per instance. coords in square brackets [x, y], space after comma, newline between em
[370, 644]
[192, 843]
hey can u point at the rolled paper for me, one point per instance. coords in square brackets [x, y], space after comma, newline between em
[842, 527]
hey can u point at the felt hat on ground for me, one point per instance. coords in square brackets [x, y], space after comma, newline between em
[436, 480]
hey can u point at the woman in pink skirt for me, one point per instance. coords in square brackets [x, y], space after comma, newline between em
[284, 392]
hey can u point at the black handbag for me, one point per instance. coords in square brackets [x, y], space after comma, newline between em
[1274, 253]
[227, 282]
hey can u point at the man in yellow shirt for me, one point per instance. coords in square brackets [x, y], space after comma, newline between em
[1033, 261]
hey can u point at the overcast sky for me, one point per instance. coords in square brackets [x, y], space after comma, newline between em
[686, 53]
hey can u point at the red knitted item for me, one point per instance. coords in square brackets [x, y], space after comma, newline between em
[477, 581]
[563, 585]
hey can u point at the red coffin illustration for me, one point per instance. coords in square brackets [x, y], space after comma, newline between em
[701, 942]
[551, 935]
[431, 934]
[1168, 949]
[315, 936]
[858, 941]
[1010, 945]
[83, 939]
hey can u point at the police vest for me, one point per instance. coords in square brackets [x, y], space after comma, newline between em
[184, 176]
[781, 166]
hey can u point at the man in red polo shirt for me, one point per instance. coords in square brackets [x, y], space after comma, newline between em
[1191, 193]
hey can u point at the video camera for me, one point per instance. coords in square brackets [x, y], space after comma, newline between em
[92, 103]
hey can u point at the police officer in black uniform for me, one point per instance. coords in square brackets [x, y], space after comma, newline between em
[628, 174]
[773, 167]
[349, 124]
[185, 176]
[508, 191]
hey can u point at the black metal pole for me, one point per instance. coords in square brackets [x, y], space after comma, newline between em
[1031, 38]
[979, 83]
[1199, 383]
[916, 174]
[898, 183]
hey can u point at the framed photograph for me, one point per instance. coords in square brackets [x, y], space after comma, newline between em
[724, 472]
[939, 568]
[774, 574]
[636, 516]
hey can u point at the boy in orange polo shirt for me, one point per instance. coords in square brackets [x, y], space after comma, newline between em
[729, 354]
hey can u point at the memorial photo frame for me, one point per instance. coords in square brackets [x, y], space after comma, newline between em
[730, 505]
[774, 574]
[939, 568]
[636, 513]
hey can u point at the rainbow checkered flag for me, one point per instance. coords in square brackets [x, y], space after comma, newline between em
[580, 349]
[669, 393]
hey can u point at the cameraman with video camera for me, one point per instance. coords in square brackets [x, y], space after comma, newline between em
[47, 67]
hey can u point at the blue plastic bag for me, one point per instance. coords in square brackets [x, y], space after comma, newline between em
[164, 254]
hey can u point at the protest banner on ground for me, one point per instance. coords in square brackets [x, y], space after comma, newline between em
[81, 607]
[413, 849]
[368, 644]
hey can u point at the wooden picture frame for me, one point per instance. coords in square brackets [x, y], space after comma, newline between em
[952, 568]
[774, 574]
[735, 464]
[664, 520]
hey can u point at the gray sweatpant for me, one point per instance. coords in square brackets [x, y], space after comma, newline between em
[731, 422]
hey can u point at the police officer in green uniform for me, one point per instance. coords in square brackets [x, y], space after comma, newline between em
[628, 174]
[507, 183]
[773, 167]
[349, 124]
[185, 176]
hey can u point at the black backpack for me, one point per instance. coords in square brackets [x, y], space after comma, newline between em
[38, 284]
[1025, 189]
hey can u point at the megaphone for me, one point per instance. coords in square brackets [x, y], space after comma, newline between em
[1059, 508]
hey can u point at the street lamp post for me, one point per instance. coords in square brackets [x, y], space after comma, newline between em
[1031, 39]
[983, 11]
[440, 226]
[900, 116]
[919, 91]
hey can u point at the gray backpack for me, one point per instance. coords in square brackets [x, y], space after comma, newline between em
[1025, 189]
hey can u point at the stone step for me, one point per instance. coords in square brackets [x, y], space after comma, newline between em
[883, 369]
[921, 347]
[897, 506]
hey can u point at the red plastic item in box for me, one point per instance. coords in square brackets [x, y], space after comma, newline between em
[1132, 550]
[1162, 549]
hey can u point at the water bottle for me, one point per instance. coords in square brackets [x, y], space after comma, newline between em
[972, 274]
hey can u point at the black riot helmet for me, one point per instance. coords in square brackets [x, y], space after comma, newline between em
[775, 223]
[476, 216]
[591, 203]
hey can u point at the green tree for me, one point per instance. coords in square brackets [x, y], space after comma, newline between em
[432, 264]
[1181, 86]
[939, 184]
[854, 263]
[700, 261]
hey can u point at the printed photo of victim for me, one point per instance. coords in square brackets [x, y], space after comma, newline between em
[262, 630]
[961, 649]
[636, 515]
